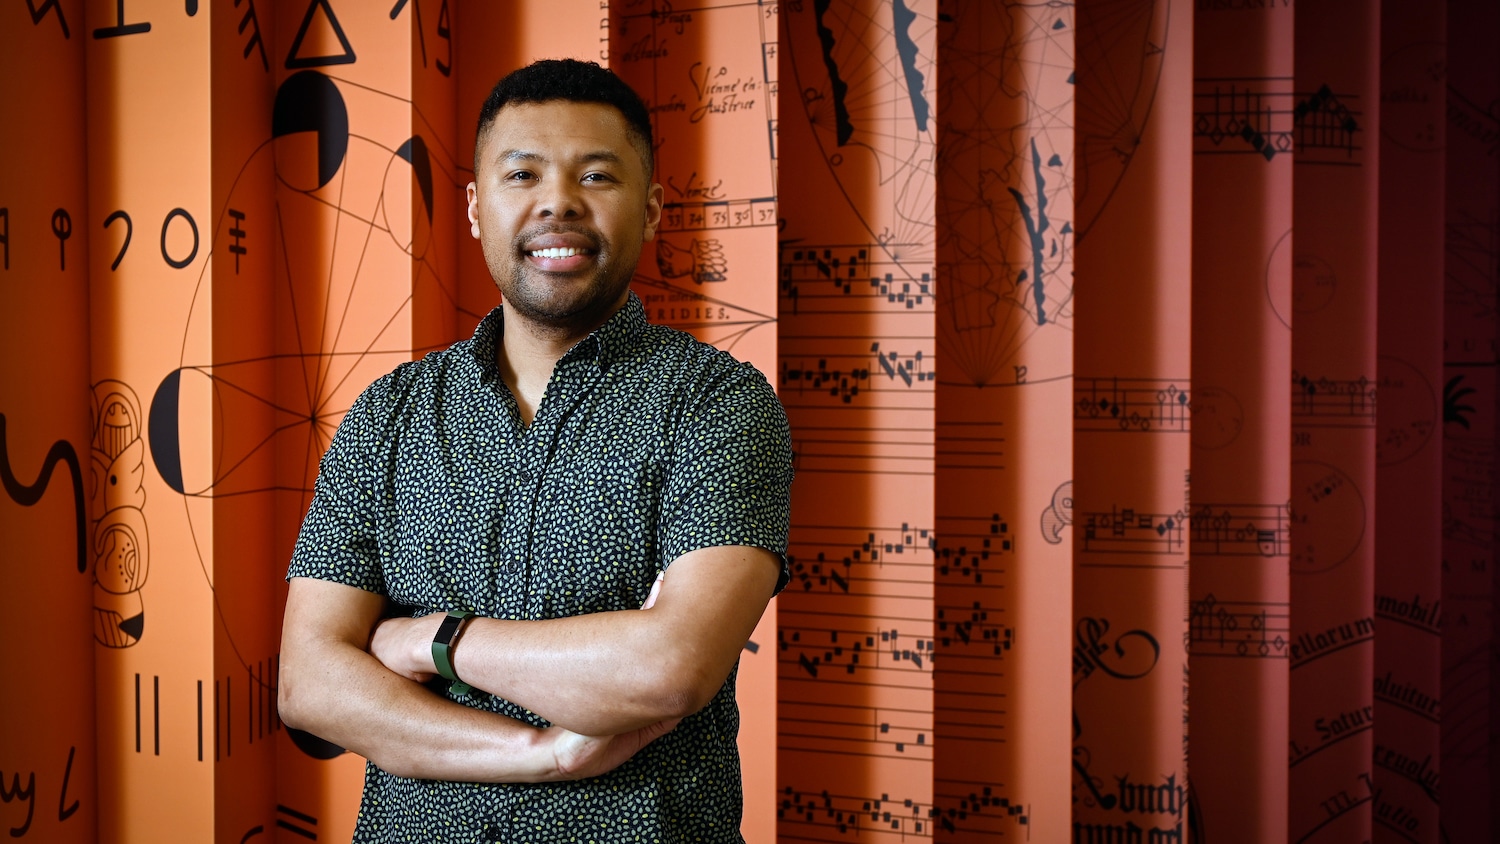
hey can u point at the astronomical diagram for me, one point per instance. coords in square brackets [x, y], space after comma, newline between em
[353, 211]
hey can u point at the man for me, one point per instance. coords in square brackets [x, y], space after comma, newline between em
[608, 497]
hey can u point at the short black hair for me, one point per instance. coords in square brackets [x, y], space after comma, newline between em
[570, 80]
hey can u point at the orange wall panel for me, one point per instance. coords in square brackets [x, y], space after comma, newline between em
[855, 644]
[47, 563]
[1132, 421]
[149, 137]
[1005, 510]
[1243, 99]
[1333, 384]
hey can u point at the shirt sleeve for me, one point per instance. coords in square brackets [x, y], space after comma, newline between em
[731, 473]
[339, 540]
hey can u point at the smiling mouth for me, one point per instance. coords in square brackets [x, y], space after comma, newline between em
[557, 252]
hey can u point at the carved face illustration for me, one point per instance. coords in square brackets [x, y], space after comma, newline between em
[119, 425]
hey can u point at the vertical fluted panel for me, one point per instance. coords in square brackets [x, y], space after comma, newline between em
[1005, 329]
[1243, 101]
[1334, 262]
[1132, 400]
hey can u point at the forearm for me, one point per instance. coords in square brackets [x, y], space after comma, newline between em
[597, 674]
[609, 672]
[344, 695]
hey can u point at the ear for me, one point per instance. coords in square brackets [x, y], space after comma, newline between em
[655, 196]
[472, 192]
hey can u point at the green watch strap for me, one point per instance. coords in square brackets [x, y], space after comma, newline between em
[443, 644]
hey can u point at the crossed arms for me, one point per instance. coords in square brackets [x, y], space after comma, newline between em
[608, 682]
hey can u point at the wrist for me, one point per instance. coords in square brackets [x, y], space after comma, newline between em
[444, 643]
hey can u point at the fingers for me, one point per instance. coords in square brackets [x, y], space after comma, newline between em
[655, 590]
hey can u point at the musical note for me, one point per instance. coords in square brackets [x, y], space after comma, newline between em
[1144, 405]
[1127, 531]
[976, 809]
[1325, 124]
[832, 560]
[972, 547]
[1253, 629]
[1241, 530]
[851, 815]
[970, 632]
[853, 374]
[1329, 403]
[844, 279]
[851, 729]
[1243, 116]
[814, 653]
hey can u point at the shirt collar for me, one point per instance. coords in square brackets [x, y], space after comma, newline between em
[608, 344]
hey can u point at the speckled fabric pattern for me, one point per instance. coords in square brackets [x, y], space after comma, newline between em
[647, 445]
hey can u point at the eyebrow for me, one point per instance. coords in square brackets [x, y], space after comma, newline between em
[515, 156]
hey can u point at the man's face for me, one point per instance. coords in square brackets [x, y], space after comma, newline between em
[561, 204]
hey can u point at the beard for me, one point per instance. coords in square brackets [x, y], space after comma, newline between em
[566, 302]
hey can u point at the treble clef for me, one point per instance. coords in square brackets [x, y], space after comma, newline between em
[62, 226]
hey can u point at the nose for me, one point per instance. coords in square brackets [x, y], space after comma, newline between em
[561, 199]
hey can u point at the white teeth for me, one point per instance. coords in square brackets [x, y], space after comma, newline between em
[562, 252]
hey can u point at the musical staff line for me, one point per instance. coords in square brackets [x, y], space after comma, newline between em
[1128, 531]
[1241, 530]
[836, 561]
[1139, 405]
[853, 730]
[1330, 403]
[811, 652]
[975, 808]
[844, 279]
[1252, 629]
[1240, 116]
[851, 815]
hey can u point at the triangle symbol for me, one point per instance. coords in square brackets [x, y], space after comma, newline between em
[1153, 49]
[294, 61]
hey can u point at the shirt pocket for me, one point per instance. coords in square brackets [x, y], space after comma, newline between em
[595, 544]
[448, 547]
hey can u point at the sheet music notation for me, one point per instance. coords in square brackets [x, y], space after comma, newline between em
[853, 730]
[1244, 116]
[849, 279]
[1128, 531]
[1143, 405]
[971, 445]
[978, 809]
[851, 652]
[971, 632]
[1251, 629]
[1241, 530]
[822, 813]
[846, 375]
[1328, 129]
[1331, 403]
[890, 562]
[973, 549]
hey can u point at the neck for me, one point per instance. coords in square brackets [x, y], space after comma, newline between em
[528, 353]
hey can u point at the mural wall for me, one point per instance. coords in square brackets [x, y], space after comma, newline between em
[1140, 358]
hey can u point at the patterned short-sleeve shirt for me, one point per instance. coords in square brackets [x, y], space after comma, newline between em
[647, 445]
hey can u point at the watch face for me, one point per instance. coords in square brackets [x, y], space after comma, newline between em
[447, 629]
